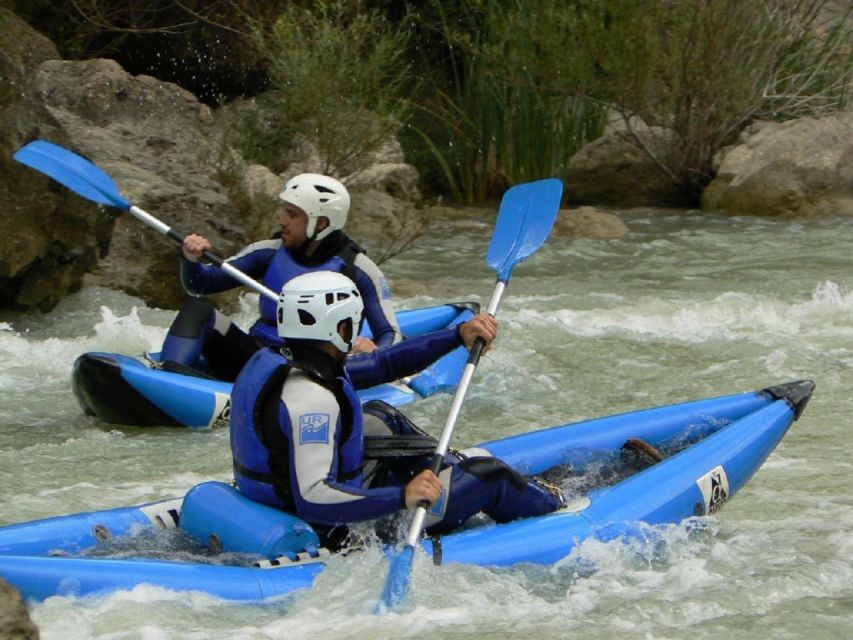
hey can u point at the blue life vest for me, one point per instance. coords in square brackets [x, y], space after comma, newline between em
[283, 268]
[260, 427]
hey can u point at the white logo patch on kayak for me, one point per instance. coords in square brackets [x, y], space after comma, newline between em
[714, 486]
[221, 409]
[314, 428]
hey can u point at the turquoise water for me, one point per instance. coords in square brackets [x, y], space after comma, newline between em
[686, 306]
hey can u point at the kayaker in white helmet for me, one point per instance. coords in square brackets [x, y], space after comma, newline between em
[301, 441]
[314, 211]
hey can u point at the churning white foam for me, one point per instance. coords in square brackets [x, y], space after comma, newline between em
[730, 315]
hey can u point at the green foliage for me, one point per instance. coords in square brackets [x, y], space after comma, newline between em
[698, 71]
[499, 121]
[507, 90]
[337, 71]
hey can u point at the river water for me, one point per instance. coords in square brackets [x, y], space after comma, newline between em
[686, 306]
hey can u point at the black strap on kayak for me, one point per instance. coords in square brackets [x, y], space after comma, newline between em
[398, 446]
[405, 440]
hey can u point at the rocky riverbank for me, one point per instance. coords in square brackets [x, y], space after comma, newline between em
[167, 153]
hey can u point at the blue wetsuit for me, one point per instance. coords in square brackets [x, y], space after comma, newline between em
[200, 329]
[297, 441]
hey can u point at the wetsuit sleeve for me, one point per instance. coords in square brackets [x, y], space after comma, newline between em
[315, 444]
[402, 359]
[200, 279]
[376, 295]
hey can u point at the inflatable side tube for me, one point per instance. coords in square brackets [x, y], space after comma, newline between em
[39, 578]
[693, 482]
[218, 516]
[581, 443]
[71, 534]
[446, 373]
[415, 322]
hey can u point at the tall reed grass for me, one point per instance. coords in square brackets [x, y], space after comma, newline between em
[488, 126]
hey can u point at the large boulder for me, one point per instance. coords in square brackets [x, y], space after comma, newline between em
[800, 168]
[589, 222]
[50, 236]
[613, 170]
[169, 155]
[384, 216]
[153, 139]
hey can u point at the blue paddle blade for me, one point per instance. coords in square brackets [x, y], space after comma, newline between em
[525, 219]
[72, 171]
[397, 581]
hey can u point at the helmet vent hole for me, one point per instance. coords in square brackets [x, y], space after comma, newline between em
[330, 299]
[343, 296]
[306, 318]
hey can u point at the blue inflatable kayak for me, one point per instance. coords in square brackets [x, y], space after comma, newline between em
[141, 391]
[670, 463]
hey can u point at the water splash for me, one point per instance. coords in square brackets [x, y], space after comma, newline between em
[731, 315]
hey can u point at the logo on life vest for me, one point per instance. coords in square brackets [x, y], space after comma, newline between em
[714, 486]
[314, 428]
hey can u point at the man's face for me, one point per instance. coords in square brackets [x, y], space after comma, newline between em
[293, 222]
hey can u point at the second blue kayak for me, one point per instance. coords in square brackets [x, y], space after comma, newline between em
[141, 391]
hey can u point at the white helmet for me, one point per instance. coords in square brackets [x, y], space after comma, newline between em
[318, 195]
[310, 307]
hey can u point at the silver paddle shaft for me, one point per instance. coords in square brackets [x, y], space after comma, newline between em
[452, 415]
[234, 272]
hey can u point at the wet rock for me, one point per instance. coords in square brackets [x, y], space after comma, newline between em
[149, 136]
[589, 222]
[612, 170]
[50, 236]
[801, 168]
[152, 138]
[15, 621]
[169, 155]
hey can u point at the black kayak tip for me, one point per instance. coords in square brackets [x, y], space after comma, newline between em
[797, 394]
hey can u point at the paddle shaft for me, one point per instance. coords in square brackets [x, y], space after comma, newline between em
[91, 182]
[452, 415]
[178, 237]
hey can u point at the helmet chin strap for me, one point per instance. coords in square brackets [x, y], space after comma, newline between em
[302, 249]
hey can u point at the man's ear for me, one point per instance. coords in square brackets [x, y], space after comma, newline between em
[322, 223]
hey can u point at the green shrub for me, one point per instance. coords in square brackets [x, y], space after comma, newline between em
[700, 71]
[530, 81]
[337, 71]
